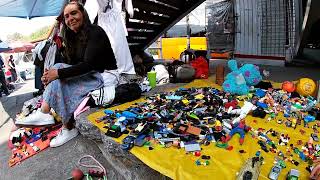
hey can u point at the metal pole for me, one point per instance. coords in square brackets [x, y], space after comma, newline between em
[161, 56]
[188, 32]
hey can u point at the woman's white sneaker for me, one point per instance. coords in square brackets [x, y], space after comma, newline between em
[37, 118]
[64, 136]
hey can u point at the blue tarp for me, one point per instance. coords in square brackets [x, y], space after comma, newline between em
[30, 8]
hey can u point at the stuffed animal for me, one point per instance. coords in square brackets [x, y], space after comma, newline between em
[239, 80]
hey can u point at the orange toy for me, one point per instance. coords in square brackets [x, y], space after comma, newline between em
[288, 86]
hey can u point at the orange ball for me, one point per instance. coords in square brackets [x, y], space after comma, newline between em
[288, 86]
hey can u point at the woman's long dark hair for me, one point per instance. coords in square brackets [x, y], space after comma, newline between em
[75, 42]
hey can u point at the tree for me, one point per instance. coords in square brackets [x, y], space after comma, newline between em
[40, 33]
[15, 37]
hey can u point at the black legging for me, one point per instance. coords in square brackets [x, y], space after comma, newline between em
[14, 76]
[3, 83]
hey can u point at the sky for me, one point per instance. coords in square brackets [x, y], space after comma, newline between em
[26, 27]
[197, 16]
[22, 26]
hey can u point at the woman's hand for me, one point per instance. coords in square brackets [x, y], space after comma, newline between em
[49, 75]
[315, 173]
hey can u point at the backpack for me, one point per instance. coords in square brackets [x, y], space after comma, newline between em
[179, 72]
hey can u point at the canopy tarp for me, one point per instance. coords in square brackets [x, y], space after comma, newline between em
[18, 46]
[30, 8]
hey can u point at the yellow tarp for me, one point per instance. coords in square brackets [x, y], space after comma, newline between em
[224, 164]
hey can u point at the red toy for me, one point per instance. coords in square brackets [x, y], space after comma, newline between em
[240, 129]
[232, 104]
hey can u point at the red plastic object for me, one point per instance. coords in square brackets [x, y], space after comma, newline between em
[197, 153]
[77, 174]
[229, 148]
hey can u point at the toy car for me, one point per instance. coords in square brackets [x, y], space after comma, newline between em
[275, 172]
[293, 174]
[315, 137]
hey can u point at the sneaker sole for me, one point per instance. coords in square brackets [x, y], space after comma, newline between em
[33, 126]
[18, 123]
[70, 138]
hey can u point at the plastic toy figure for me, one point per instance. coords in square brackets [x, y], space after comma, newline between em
[308, 119]
[217, 131]
[241, 128]
[284, 139]
[315, 137]
[310, 146]
[294, 123]
[243, 112]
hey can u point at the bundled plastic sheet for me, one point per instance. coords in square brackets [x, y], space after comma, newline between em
[220, 28]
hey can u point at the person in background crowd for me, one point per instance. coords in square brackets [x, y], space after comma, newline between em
[12, 69]
[87, 51]
[3, 82]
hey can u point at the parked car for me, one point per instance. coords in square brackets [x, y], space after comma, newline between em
[275, 172]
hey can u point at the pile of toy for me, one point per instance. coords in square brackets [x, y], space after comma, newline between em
[195, 117]
[26, 142]
[189, 118]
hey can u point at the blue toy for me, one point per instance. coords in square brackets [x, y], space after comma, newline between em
[241, 129]
[239, 80]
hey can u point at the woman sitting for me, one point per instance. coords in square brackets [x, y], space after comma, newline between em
[87, 51]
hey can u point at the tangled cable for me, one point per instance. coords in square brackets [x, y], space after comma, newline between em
[99, 166]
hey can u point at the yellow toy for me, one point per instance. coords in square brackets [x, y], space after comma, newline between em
[306, 87]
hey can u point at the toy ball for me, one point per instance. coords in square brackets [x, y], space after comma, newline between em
[306, 87]
[288, 86]
[77, 174]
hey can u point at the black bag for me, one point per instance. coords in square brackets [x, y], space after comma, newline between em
[179, 72]
[127, 92]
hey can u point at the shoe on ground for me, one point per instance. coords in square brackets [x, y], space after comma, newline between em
[37, 118]
[64, 136]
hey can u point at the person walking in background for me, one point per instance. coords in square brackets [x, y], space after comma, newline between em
[3, 82]
[12, 69]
